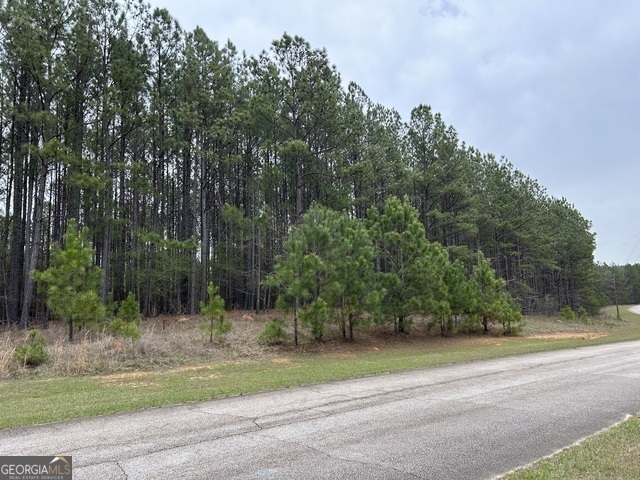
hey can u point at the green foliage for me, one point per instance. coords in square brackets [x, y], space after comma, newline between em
[508, 313]
[123, 328]
[214, 322]
[127, 322]
[582, 314]
[327, 265]
[110, 307]
[491, 302]
[171, 147]
[461, 300]
[33, 351]
[411, 269]
[469, 323]
[273, 332]
[129, 310]
[302, 269]
[316, 316]
[566, 313]
[619, 284]
[350, 285]
[432, 299]
[440, 178]
[72, 281]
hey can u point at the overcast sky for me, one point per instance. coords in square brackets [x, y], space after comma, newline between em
[553, 85]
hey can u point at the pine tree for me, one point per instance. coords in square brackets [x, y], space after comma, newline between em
[213, 318]
[350, 285]
[127, 321]
[492, 301]
[440, 176]
[409, 268]
[300, 270]
[460, 296]
[72, 282]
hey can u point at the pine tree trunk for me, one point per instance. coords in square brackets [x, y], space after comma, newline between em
[299, 190]
[401, 325]
[35, 245]
[16, 260]
[258, 273]
[295, 322]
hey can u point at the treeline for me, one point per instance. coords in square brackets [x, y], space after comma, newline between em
[383, 268]
[620, 283]
[190, 163]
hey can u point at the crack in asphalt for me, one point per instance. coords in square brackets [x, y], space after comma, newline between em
[344, 395]
[289, 417]
[208, 425]
[126, 477]
[481, 375]
[255, 422]
[127, 442]
[332, 456]
[173, 447]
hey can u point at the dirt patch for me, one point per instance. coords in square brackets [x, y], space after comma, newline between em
[482, 340]
[127, 379]
[205, 377]
[192, 368]
[569, 336]
[135, 384]
[117, 377]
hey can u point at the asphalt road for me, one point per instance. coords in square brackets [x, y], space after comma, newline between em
[473, 420]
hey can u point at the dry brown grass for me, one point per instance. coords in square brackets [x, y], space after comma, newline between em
[7, 363]
[565, 335]
[175, 342]
[165, 342]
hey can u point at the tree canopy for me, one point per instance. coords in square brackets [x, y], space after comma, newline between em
[191, 163]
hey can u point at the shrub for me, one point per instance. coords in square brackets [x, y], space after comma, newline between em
[127, 322]
[469, 323]
[273, 332]
[214, 322]
[129, 310]
[33, 351]
[316, 316]
[216, 327]
[567, 314]
[121, 328]
[582, 315]
[510, 315]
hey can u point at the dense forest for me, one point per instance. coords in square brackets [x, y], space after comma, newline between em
[189, 162]
[621, 283]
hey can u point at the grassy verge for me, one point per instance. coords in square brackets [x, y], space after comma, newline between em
[612, 454]
[48, 397]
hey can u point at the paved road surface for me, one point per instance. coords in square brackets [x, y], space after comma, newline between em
[473, 420]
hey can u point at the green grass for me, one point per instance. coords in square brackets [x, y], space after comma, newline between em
[614, 453]
[611, 454]
[48, 398]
